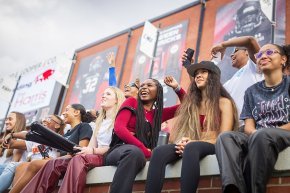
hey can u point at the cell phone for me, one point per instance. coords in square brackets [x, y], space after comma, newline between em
[189, 53]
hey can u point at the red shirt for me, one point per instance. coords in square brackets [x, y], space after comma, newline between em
[125, 122]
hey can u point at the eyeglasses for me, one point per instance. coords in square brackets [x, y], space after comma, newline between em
[132, 84]
[49, 119]
[268, 52]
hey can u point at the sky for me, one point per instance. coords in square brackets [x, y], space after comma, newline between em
[35, 30]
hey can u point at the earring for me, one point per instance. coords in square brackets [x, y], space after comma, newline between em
[284, 64]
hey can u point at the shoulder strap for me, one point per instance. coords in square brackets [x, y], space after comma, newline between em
[128, 108]
[116, 141]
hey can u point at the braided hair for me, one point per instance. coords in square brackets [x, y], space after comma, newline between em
[150, 139]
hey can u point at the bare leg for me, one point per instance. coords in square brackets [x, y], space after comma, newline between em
[29, 173]
[20, 169]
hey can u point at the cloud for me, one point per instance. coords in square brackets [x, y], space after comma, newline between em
[35, 30]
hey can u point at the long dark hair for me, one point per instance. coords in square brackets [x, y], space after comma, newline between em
[285, 51]
[85, 116]
[187, 122]
[150, 140]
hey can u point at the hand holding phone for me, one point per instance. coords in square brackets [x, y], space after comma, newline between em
[189, 54]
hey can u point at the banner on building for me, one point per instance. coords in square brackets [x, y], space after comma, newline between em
[7, 86]
[35, 89]
[148, 39]
[92, 79]
[252, 18]
[167, 61]
[62, 69]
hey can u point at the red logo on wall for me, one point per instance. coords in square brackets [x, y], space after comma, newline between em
[44, 76]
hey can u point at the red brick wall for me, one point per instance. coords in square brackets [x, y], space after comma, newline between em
[191, 14]
[208, 184]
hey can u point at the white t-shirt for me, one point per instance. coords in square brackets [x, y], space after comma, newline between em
[104, 135]
[34, 154]
[241, 80]
[5, 159]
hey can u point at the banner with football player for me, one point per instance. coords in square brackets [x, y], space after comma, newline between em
[92, 79]
[249, 18]
[167, 60]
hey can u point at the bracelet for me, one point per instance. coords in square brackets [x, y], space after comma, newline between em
[177, 89]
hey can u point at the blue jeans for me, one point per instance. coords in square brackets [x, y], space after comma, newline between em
[7, 172]
[2, 167]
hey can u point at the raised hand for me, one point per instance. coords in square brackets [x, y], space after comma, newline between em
[111, 59]
[218, 48]
[171, 82]
[184, 57]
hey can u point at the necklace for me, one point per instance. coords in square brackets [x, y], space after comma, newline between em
[272, 88]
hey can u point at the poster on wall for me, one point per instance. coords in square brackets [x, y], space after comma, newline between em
[92, 79]
[248, 18]
[37, 93]
[167, 61]
[35, 89]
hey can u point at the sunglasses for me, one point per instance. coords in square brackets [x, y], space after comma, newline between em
[132, 84]
[237, 49]
[49, 119]
[268, 52]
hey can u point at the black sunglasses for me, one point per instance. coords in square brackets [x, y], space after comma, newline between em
[132, 84]
[237, 49]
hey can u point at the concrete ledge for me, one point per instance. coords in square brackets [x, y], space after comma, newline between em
[208, 166]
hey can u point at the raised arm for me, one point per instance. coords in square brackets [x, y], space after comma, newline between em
[112, 70]
[171, 82]
[248, 42]
[184, 58]
[169, 112]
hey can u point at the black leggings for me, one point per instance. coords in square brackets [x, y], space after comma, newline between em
[190, 170]
[129, 160]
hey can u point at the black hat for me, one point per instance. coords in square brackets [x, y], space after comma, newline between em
[203, 65]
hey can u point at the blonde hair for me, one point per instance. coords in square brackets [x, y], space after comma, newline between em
[102, 113]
